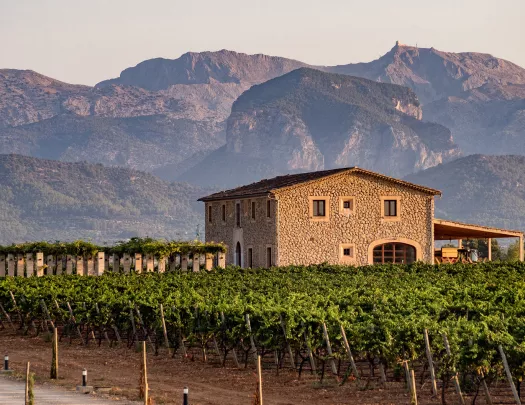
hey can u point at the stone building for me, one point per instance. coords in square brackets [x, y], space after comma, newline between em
[339, 216]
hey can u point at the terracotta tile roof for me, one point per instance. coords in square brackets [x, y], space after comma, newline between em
[267, 186]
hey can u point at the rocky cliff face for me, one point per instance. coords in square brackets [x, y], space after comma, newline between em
[310, 120]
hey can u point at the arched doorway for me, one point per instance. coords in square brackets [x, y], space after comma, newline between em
[394, 252]
[238, 254]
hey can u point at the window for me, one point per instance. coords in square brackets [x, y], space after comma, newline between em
[319, 208]
[250, 257]
[268, 209]
[238, 254]
[346, 253]
[390, 208]
[269, 257]
[253, 209]
[346, 205]
[209, 214]
[223, 212]
[238, 215]
[394, 253]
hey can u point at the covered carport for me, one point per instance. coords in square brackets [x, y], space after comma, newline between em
[452, 230]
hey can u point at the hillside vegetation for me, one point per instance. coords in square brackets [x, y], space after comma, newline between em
[43, 199]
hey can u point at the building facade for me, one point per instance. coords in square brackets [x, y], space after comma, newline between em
[340, 216]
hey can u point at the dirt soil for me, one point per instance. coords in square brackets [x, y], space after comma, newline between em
[208, 383]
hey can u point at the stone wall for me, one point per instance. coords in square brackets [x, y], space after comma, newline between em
[302, 240]
[256, 234]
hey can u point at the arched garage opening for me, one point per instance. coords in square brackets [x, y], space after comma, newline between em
[399, 251]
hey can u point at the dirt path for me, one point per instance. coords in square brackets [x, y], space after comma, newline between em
[209, 384]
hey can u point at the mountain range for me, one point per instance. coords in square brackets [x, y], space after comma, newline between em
[225, 118]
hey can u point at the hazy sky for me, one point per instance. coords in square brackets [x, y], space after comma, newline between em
[91, 40]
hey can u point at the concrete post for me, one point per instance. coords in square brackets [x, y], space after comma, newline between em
[59, 265]
[196, 262]
[30, 265]
[209, 261]
[50, 261]
[460, 244]
[138, 263]
[80, 266]
[2, 266]
[89, 269]
[184, 262]
[126, 262]
[39, 264]
[100, 263]
[150, 263]
[20, 265]
[173, 262]
[69, 264]
[222, 260]
[11, 265]
[114, 263]
[106, 262]
[161, 264]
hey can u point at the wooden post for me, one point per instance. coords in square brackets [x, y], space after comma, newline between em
[489, 247]
[196, 262]
[27, 399]
[54, 359]
[2, 266]
[7, 316]
[430, 363]
[145, 375]
[259, 380]
[164, 330]
[74, 321]
[310, 354]
[488, 399]
[20, 265]
[105, 332]
[46, 312]
[456, 379]
[100, 263]
[138, 262]
[413, 382]
[16, 307]
[521, 247]
[252, 341]
[350, 356]
[407, 376]
[329, 348]
[288, 347]
[509, 375]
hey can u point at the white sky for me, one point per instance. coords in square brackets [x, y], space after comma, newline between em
[92, 40]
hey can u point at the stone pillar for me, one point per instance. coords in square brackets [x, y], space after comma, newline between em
[50, 261]
[489, 247]
[150, 263]
[2, 266]
[161, 265]
[138, 263]
[100, 263]
[196, 262]
[89, 269]
[126, 262]
[80, 266]
[106, 262]
[69, 264]
[184, 262]
[20, 265]
[30, 265]
[39, 264]
[222, 260]
[172, 262]
[11, 265]
[59, 265]
[114, 263]
[209, 261]
[521, 248]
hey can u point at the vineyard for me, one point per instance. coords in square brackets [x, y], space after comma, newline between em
[357, 325]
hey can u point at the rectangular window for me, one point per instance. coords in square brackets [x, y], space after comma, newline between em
[209, 214]
[347, 252]
[250, 257]
[253, 209]
[269, 257]
[390, 208]
[223, 213]
[238, 215]
[319, 208]
[268, 209]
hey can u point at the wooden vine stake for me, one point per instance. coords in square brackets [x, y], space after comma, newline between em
[29, 396]
[288, 347]
[259, 381]
[54, 356]
[509, 375]
[329, 349]
[407, 376]
[413, 387]
[164, 330]
[485, 389]
[349, 352]
[252, 341]
[430, 364]
[456, 379]
[144, 388]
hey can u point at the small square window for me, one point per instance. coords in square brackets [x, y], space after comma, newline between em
[347, 205]
[319, 208]
[347, 252]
